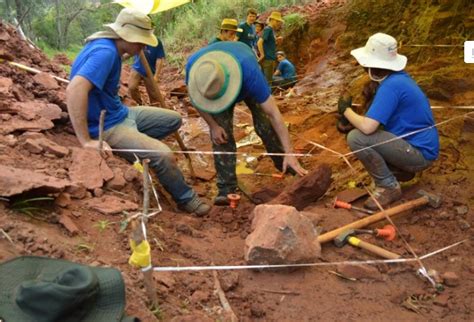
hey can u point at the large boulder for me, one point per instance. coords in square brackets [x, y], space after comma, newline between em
[281, 235]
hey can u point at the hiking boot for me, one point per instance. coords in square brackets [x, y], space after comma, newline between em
[402, 176]
[221, 201]
[385, 196]
[196, 206]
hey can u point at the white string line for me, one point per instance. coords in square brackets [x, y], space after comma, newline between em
[360, 263]
[292, 154]
[408, 134]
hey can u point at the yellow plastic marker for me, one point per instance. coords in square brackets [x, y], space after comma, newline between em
[151, 6]
[141, 256]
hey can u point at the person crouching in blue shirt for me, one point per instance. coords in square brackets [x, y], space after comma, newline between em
[402, 108]
[155, 55]
[95, 80]
[285, 74]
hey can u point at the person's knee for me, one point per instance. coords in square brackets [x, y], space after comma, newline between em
[176, 122]
[355, 139]
[163, 161]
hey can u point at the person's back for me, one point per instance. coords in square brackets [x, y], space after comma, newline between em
[287, 69]
[405, 109]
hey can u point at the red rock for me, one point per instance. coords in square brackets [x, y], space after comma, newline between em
[46, 80]
[110, 205]
[98, 192]
[88, 168]
[118, 181]
[441, 300]
[33, 146]
[17, 124]
[165, 278]
[67, 222]
[307, 189]
[132, 174]
[281, 235]
[229, 281]
[15, 181]
[63, 200]
[6, 87]
[199, 297]
[77, 191]
[450, 279]
[53, 148]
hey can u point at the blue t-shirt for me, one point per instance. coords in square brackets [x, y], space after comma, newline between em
[152, 54]
[402, 107]
[99, 62]
[287, 69]
[254, 84]
[269, 43]
[247, 36]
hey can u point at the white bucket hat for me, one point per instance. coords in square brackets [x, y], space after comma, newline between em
[215, 80]
[134, 26]
[380, 51]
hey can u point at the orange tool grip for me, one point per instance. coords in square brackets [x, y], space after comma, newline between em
[342, 204]
[278, 175]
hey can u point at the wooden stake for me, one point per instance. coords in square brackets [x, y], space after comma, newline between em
[101, 132]
[138, 235]
[149, 78]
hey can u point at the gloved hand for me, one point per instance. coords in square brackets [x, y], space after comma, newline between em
[343, 125]
[344, 102]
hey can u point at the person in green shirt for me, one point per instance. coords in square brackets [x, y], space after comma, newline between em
[248, 33]
[228, 31]
[267, 45]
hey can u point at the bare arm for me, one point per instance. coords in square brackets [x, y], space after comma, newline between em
[260, 48]
[270, 108]
[77, 97]
[365, 124]
[277, 73]
[218, 134]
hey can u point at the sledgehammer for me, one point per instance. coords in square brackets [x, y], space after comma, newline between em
[348, 238]
[424, 199]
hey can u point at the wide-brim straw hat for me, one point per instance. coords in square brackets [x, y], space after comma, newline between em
[276, 15]
[215, 81]
[380, 51]
[135, 27]
[44, 289]
[230, 24]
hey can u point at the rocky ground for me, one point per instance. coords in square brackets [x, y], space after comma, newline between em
[86, 197]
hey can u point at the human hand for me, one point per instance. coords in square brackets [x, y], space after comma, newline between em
[95, 144]
[343, 125]
[291, 161]
[218, 135]
[344, 102]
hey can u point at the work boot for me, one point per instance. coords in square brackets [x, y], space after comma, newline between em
[221, 201]
[385, 196]
[196, 206]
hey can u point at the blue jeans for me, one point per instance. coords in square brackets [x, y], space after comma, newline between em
[376, 160]
[142, 129]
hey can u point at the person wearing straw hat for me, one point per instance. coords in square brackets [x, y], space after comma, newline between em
[95, 79]
[155, 55]
[219, 76]
[267, 45]
[44, 289]
[228, 31]
[402, 108]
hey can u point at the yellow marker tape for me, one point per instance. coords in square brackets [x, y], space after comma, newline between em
[141, 256]
[354, 241]
[138, 166]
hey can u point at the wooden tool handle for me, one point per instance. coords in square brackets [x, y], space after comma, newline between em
[372, 248]
[374, 218]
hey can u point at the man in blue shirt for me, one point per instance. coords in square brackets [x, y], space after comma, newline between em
[155, 57]
[248, 33]
[219, 76]
[403, 109]
[267, 45]
[285, 75]
[95, 80]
